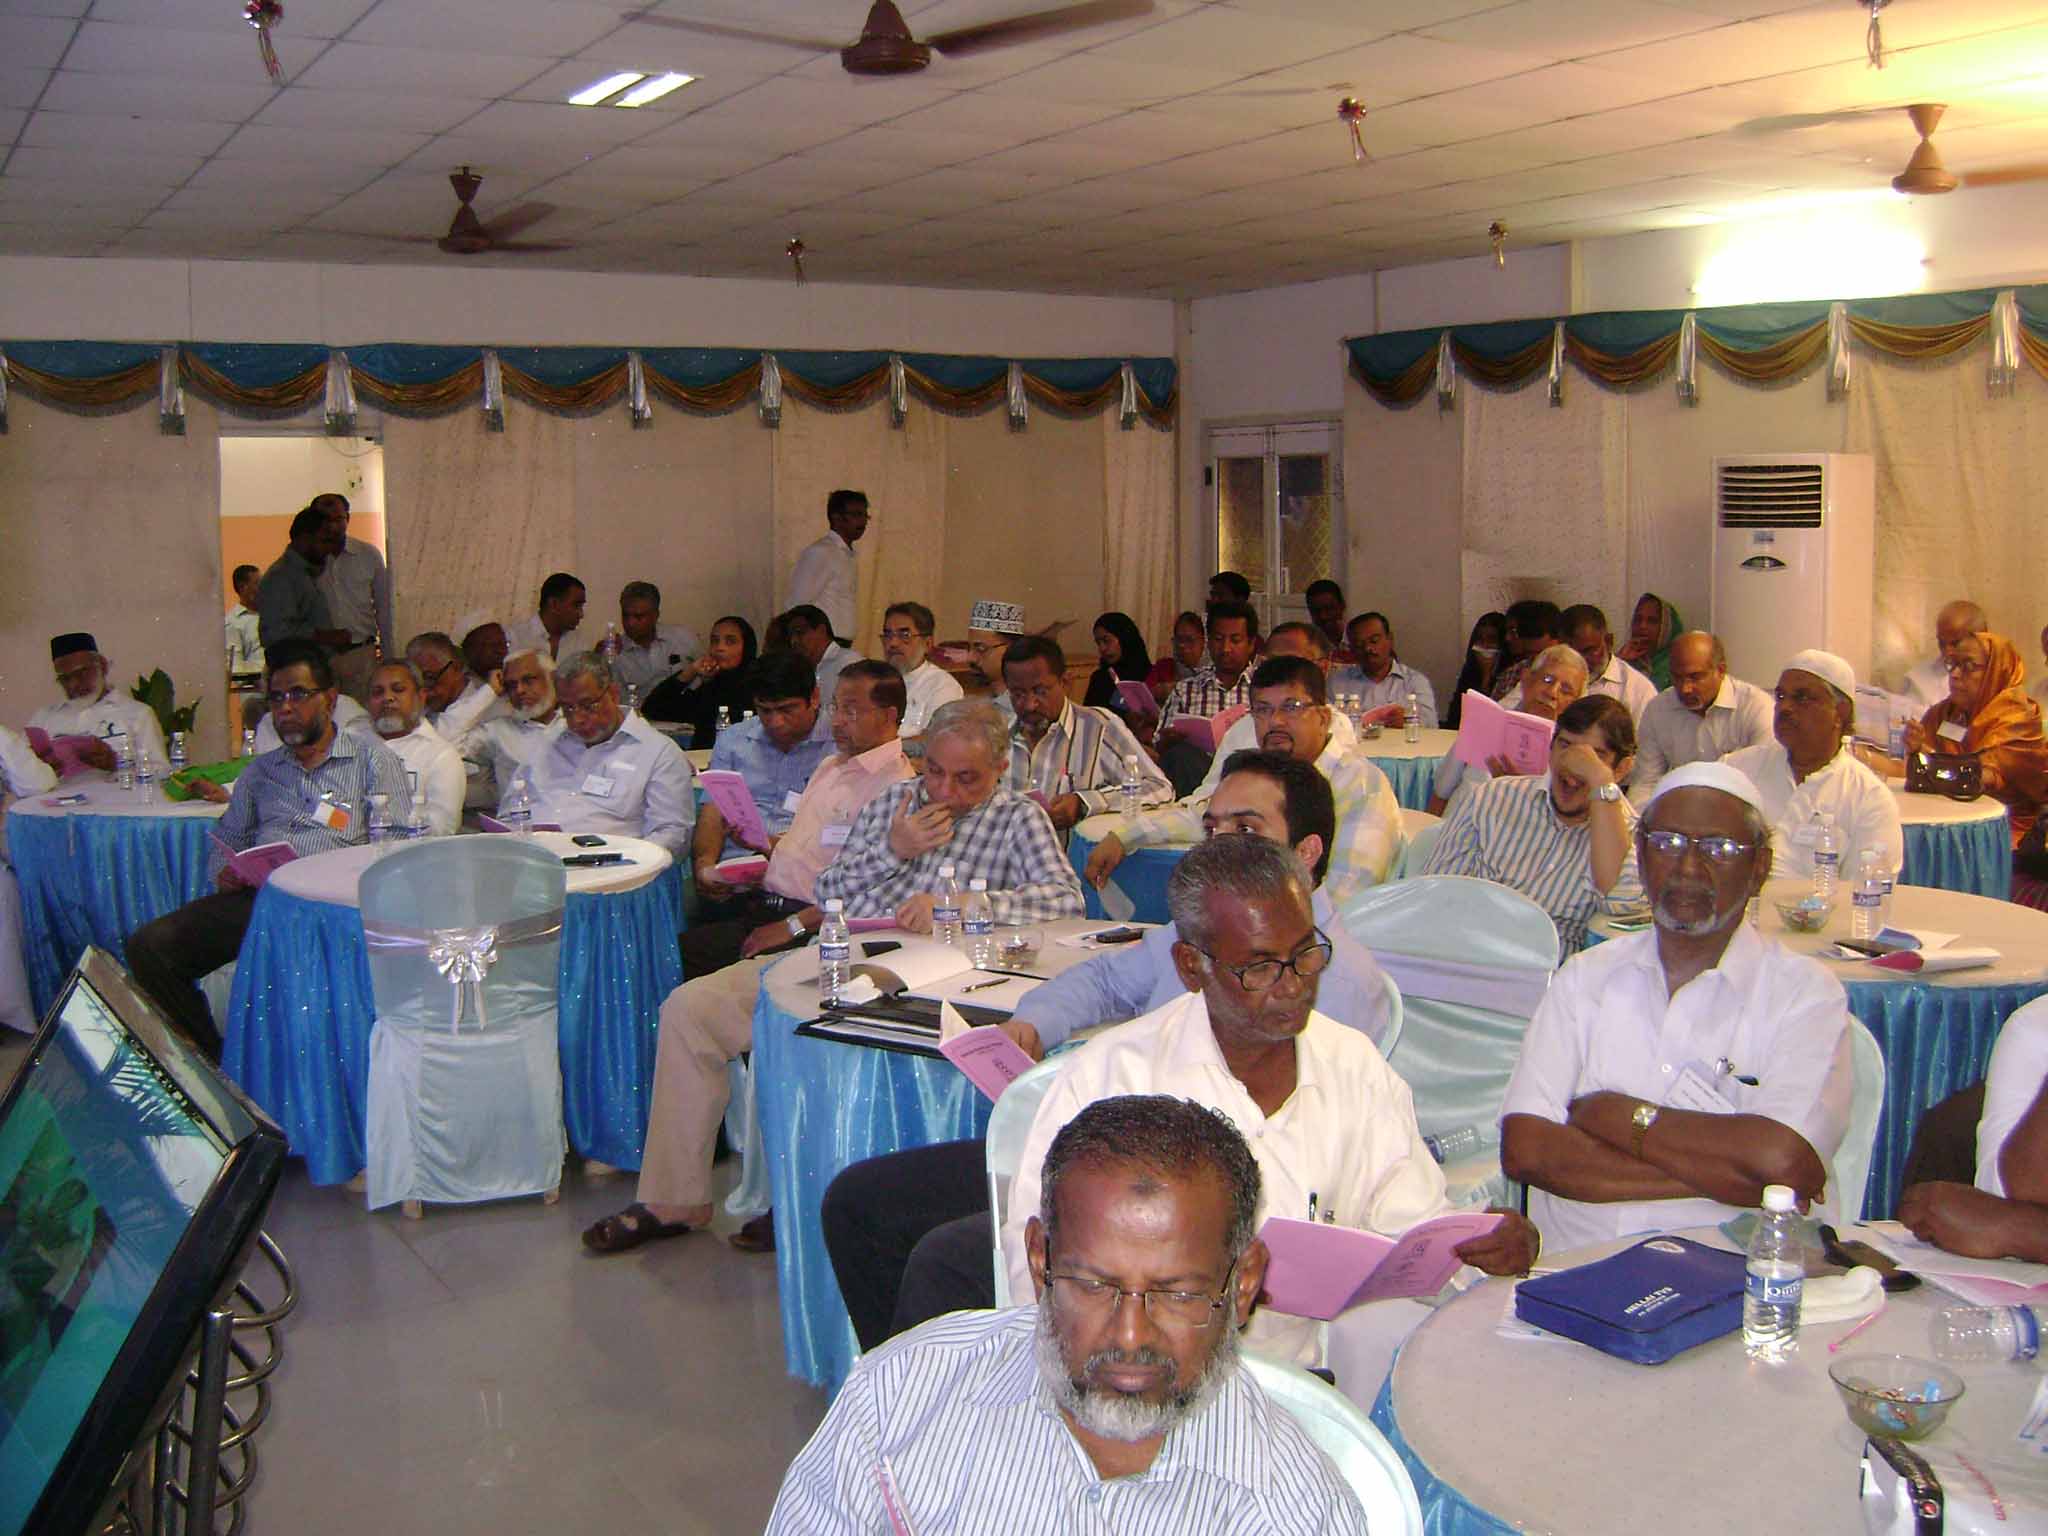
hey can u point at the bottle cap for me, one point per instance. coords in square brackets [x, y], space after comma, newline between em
[835, 905]
[977, 885]
[1780, 1198]
[945, 871]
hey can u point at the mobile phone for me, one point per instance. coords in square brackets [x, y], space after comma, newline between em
[592, 860]
[587, 840]
[1119, 935]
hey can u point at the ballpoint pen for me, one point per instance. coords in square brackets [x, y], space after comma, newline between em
[981, 986]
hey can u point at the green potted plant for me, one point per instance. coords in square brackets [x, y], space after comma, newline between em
[161, 695]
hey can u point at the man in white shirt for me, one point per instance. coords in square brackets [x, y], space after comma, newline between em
[1927, 684]
[1381, 681]
[433, 768]
[1323, 1112]
[501, 744]
[1586, 631]
[810, 635]
[561, 610]
[1668, 1076]
[358, 589]
[826, 574]
[1808, 772]
[1703, 716]
[245, 642]
[907, 630]
[650, 652]
[602, 768]
[94, 708]
[456, 705]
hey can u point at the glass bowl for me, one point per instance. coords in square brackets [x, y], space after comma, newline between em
[1896, 1397]
[1807, 914]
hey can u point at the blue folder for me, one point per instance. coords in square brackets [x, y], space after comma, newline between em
[1646, 1303]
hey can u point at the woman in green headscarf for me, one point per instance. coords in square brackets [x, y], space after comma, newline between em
[1651, 630]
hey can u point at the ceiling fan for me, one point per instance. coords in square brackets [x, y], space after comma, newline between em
[1924, 175]
[886, 47]
[469, 235]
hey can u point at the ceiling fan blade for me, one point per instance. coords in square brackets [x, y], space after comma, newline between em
[739, 34]
[1791, 122]
[514, 219]
[2006, 175]
[1038, 24]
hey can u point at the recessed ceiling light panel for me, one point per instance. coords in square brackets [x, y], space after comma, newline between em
[653, 90]
[610, 85]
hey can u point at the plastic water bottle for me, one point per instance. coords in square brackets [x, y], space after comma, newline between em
[946, 908]
[1775, 1281]
[724, 716]
[632, 696]
[178, 758]
[516, 810]
[124, 763]
[415, 822]
[1867, 916]
[1827, 856]
[835, 953]
[1895, 742]
[249, 743]
[1985, 1333]
[378, 823]
[978, 923]
[612, 643]
[1452, 1145]
[1411, 718]
[145, 777]
[1130, 792]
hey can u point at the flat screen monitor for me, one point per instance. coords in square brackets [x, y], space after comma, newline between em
[133, 1181]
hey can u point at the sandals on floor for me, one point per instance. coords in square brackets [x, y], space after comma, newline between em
[631, 1228]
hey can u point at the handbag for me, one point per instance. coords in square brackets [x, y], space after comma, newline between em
[1959, 775]
[1645, 1303]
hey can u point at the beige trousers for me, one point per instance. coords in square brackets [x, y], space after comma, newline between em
[352, 669]
[705, 1024]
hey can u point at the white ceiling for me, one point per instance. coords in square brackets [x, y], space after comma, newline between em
[1193, 151]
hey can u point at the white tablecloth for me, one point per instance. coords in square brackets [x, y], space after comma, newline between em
[333, 876]
[103, 797]
[1940, 811]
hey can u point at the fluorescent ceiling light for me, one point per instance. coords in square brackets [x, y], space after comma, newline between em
[610, 85]
[653, 90]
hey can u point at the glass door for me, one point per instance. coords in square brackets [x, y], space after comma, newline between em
[1278, 510]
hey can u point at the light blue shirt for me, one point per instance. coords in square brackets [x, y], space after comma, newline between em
[1136, 978]
[775, 778]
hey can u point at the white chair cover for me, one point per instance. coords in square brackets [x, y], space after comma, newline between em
[1850, 1170]
[17, 1007]
[1396, 1013]
[1350, 1439]
[465, 1095]
[751, 1196]
[1008, 1124]
[1422, 829]
[217, 987]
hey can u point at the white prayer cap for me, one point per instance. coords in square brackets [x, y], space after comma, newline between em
[1827, 666]
[997, 618]
[1709, 774]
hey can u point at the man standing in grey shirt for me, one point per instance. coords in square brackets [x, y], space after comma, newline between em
[357, 586]
[289, 602]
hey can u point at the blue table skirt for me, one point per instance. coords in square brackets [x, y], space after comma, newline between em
[1142, 876]
[298, 1025]
[1445, 1511]
[95, 880]
[1973, 856]
[1412, 777]
[823, 1107]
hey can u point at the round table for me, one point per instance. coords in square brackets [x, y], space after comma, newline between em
[1564, 1438]
[1410, 766]
[297, 1032]
[94, 873]
[824, 1106]
[1956, 845]
[1142, 876]
[1936, 1032]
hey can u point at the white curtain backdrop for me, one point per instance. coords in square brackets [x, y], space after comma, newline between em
[1140, 533]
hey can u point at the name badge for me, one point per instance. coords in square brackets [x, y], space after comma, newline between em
[598, 787]
[331, 816]
[789, 801]
[412, 783]
[1695, 1090]
[835, 837]
[1952, 730]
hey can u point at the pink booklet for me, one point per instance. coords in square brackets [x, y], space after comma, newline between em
[253, 866]
[1208, 731]
[1318, 1270]
[746, 869]
[728, 791]
[1485, 730]
[990, 1058]
[1137, 698]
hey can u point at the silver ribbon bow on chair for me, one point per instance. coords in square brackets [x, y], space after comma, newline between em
[463, 957]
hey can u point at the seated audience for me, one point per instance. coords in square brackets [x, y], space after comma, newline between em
[1703, 716]
[1222, 684]
[717, 681]
[1534, 626]
[1547, 688]
[1068, 753]
[21, 773]
[907, 630]
[1186, 656]
[1586, 631]
[909, 1232]
[97, 715]
[2004, 1214]
[504, 743]
[561, 610]
[433, 768]
[776, 752]
[601, 768]
[1122, 656]
[457, 704]
[1229, 587]
[1326, 610]
[1989, 714]
[1668, 1076]
[1927, 683]
[348, 716]
[309, 792]
[1482, 661]
[1562, 840]
[1808, 772]
[960, 1424]
[1380, 679]
[990, 628]
[484, 649]
[1321, 1107]
[650, 652]
[1291, 639]
[809, 634]
[1651, 629]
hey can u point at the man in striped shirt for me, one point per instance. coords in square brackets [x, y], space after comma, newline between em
[1145, 1265]
[1072, 755]
[312, 792]
[1564, 840]
[1222, 684]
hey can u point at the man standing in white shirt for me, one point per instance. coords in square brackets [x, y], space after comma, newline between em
[650, 652]
[826, 574]
[1927, 684]
[94, 708]
[1703, 716]
[561, 610]
[433, 768]
[1668, 1076]
[501, 744]
[1382, 681]
[1586, 631]
[1808, 772]
[907, 630]
[601, 768]
[245, 644]
[358, 589]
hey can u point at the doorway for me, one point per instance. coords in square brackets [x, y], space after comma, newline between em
[1277, 510]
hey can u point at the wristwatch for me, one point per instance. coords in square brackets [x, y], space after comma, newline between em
[796, 926]
[1644, 1117]
[1608, 791]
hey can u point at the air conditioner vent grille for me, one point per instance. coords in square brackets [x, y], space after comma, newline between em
[1771, 495]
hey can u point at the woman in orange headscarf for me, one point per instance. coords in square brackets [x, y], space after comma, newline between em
[1989, 712]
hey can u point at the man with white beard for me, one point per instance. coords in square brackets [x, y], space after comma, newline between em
[433, 768]
[1145, 1267]
[507, 742]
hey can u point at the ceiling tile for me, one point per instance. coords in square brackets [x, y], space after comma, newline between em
[1571, 29]
[547, 27]
[34, 42]
[1234, 44]
[226, 55]
[92, 134]
[406, 71]
[303, 18]
[637, 45]
[159, 98]
[22, 87]
[1399, 68]
[303, 108]
[35, 163]
[362, 146]
[43, 7]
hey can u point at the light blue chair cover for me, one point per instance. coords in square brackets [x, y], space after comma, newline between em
[1341, 1429]
[465, 1088]
[751, 1196]
[1009, 1122]
[1423, 830]
[1849, 1173]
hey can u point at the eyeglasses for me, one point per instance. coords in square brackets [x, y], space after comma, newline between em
[1957, 667]
[901, 634]
[279, 697]
[435, 676]
[983, 647]
[1715, 846]
[1190, 1311]
[1289, 709]
[1308, 962]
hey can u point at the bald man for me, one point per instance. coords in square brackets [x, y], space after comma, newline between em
[1927, 684]
[1703, 716]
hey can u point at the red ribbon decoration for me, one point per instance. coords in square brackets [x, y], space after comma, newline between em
[1351, 113]
[263, 15]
